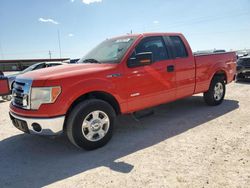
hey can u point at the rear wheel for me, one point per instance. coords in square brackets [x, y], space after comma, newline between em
[216, 93]
[90, 124]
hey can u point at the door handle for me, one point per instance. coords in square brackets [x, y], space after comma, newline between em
[170, 68]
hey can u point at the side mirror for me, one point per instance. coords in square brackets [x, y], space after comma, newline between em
[141, 59]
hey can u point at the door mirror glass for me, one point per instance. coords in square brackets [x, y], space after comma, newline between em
[141, 59]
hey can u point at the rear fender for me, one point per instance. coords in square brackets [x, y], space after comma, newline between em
[218, 68]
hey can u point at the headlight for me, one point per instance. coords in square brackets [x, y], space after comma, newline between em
[43, 95]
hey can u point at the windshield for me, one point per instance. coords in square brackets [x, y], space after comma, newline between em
[109, 51]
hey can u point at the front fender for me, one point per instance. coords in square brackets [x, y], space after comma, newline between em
[73, 92]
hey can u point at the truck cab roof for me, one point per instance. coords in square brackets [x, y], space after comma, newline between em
[147, 35]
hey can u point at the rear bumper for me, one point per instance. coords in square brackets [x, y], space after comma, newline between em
[39, 126]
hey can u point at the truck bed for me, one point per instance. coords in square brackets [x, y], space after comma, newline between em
[208, 64]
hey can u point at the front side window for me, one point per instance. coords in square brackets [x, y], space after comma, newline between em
[179, 47]
[154, 45]
[109, 51]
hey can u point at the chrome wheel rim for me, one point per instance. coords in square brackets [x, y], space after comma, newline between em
[218, 91]
[95, 125]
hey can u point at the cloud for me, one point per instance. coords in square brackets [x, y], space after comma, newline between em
[49, 20]
[70, 34]
[156, 22]
[91, 1]
[72, 1]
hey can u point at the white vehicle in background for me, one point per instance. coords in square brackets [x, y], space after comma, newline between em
[36, 66]
[11, 78]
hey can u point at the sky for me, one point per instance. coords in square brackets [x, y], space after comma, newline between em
[30, 28]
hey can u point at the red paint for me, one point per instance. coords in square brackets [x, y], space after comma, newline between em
[4, 86]
[136, 88]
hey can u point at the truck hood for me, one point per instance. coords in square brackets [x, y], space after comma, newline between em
[65, 71]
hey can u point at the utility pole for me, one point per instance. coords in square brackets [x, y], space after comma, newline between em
[130, 33]
[59, 43]
[1, 50]
[49, 54]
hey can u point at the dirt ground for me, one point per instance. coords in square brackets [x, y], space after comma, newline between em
[184, 144]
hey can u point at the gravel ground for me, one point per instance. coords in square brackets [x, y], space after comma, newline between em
[184, 144]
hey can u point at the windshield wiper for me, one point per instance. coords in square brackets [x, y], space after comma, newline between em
[90, 61]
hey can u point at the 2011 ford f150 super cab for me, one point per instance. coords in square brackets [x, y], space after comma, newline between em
[121, 75]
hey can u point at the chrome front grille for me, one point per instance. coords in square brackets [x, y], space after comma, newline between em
[21, 93]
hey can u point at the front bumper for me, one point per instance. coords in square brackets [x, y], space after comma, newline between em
[39, 126]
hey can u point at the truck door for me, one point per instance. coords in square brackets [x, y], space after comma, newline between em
[184, 66]
[153, 84]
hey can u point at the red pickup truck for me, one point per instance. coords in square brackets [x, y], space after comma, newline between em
[121, 75]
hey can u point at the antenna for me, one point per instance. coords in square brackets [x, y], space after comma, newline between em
[1, 51]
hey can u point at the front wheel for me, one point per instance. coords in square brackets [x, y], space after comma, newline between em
[90, 124]
[216, 93]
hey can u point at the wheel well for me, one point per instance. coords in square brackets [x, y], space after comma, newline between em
[96, 95]
[221, 74]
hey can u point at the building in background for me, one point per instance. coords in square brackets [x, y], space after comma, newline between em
[21, 64]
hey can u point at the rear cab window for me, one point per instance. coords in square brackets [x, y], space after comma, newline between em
[177, 45]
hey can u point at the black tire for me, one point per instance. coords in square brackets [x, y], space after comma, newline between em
[209, 96]
[78, 115]
[7, 97]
